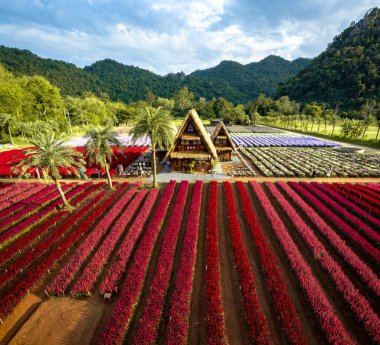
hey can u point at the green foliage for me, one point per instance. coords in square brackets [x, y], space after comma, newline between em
[347, 72]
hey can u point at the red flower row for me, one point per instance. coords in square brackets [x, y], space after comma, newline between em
[178, 325]
[25, 193]
[358, 304]
[89, 275]
[319, 205]
[329, 323]
[368, 192]
[14, 189]
[118, 321]
[146, 332]
[61, 282]
[256, 318]
[116, 271]
[348, 255]
[214, 304]
[350, 206]
[356, 190]
[282, 301]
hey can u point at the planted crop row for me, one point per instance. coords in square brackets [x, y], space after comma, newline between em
[320, 207]
[355, 190]
[117, 269]
[325, 314]
[89, 275]
[280, 296]
[14, 295]
[341, 211]
[119, 320]
[62, 281]
[362, 270]
[358, 304]
[13, 189]
[147, 330]
[368, 192]
[214, 304]
[257, 323]
[178, 325]
[327, 188]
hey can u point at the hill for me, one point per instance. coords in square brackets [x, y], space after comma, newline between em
[347, 72]
[235, 82]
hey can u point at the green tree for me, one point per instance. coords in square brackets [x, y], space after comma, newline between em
[368, 115]
[157, 124]
[314, 111]
[99, 148]
[50, 153]
[183, 99]
[10, 122]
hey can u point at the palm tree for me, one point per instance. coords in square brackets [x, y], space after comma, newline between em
[157, 124]
[48, 154]
[9, 121]
[99, 148]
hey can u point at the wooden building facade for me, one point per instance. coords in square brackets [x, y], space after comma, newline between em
[192, 148]
[222, 142]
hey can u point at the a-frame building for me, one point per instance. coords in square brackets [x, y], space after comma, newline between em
[222, 142]
[192, 148]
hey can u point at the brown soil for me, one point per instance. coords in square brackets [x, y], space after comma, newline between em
[233, 303]
[342, 310]
[197, 325]
[60, 321]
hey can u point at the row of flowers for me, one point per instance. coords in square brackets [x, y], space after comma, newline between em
[117, 269]
[119, 319]
[25, 240]
[257, 322]
[348, 255]
[89, 275]
[23, 261]
[319, 204]
[11, 190]
[63, 279]
[214, 304]
[350, 206]
[276, 283]
[18, 291]
[147, 330]
[178, 324]
[371, 193]
[346, 192]
[23, 221]
[325, 314]
[24, 192]
[357, 302]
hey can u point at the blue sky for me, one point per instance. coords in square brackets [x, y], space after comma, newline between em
[172, 36]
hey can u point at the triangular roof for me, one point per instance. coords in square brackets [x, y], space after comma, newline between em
[217, 130]
[193, 116]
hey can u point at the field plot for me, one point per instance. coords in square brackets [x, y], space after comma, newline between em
[297, 161]
[191, 263]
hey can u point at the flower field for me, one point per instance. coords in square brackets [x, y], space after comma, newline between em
[297, 161]
[196, 263]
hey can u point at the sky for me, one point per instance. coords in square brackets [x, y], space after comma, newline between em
[174, 35]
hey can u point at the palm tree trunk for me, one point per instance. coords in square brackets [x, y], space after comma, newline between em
[10, 134]
[378, 130]
[154, 166]
[110, 186]
[58, 185]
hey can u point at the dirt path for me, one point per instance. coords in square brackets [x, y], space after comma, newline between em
[197, 323]
[343, 312]
[233, 303]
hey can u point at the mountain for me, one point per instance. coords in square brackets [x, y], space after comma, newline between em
[347, 72]
[235, 82]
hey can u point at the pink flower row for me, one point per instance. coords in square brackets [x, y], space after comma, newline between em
[118, 321]
[13, 296]
[362, 270]
[319, 206]
[62, 281]
[147, 330]
[356, 190]
[363, 203]
[89, 275]
[13, 189]
[178, 324]
[257, 322]
[350, 206]
[116, 271]
[214, 305]
[329, 323]
[370, 193]
[32, 254]
[284, 306]
[338, 209]
[27, 195]
[358, 304]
